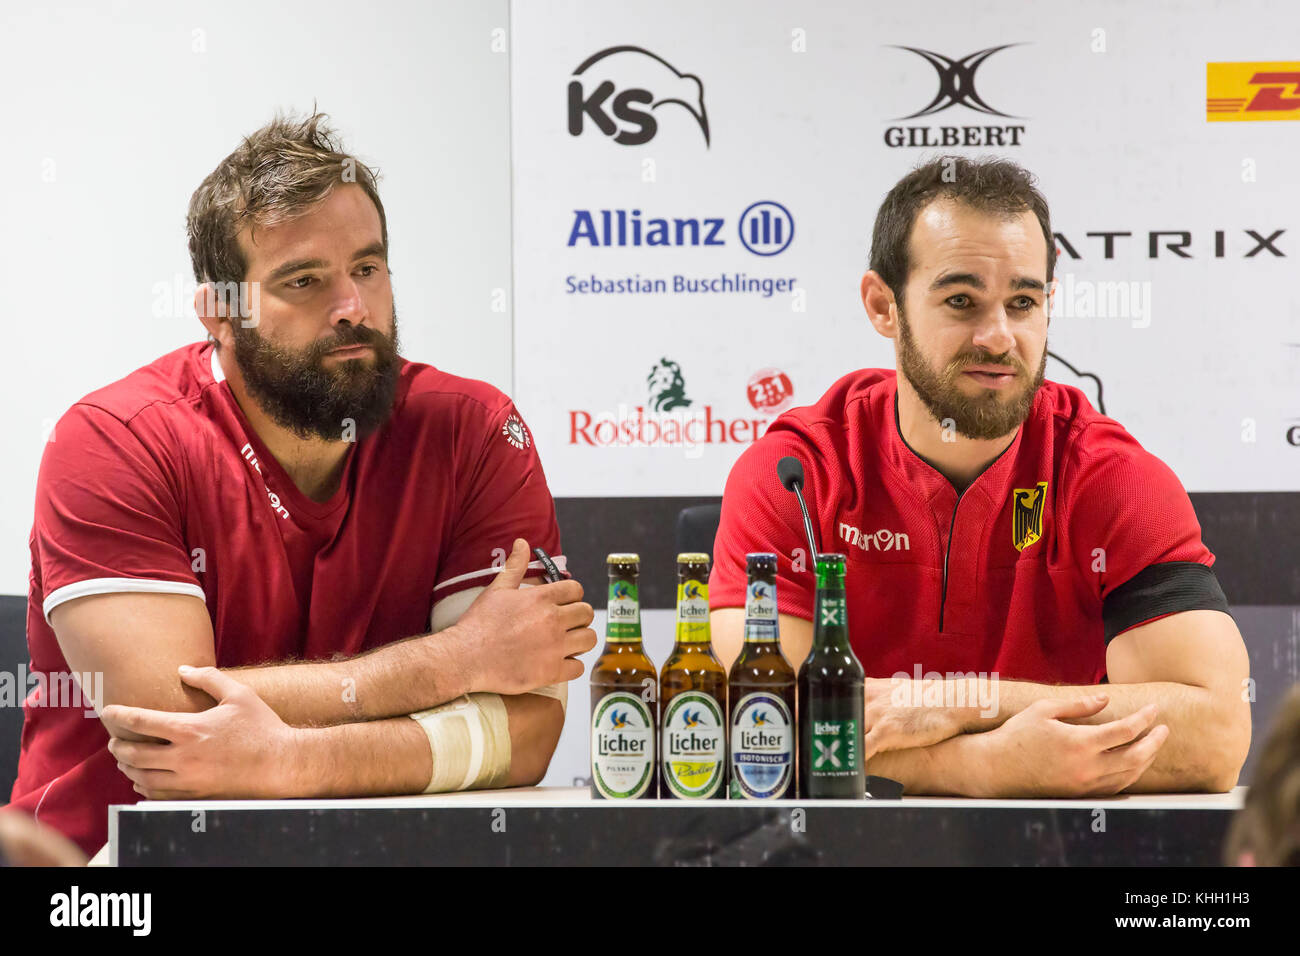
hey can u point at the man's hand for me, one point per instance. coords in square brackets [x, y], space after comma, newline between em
[239, 748]
[896, 717]
[1037, 754]
[524, 638]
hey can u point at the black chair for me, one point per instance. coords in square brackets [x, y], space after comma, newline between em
[13, 654]
[697, 526]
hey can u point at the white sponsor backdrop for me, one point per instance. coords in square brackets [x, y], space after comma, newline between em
[798, 98]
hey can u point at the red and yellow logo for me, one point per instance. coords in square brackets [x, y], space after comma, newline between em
[1236, 92]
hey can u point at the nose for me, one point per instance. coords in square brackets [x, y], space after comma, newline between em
[994, 332]
[349, 307]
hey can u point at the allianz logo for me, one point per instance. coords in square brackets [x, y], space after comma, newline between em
[881, 540]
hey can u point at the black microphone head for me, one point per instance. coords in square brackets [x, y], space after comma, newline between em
[790, 470]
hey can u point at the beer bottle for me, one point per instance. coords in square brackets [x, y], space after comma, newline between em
[830, 697]
[761, 688]
[624, 688]
[693, 705]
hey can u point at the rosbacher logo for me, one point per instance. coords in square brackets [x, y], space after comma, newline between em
[672, 420]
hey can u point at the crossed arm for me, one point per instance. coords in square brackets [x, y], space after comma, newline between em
[1174, 716]
[325, 728]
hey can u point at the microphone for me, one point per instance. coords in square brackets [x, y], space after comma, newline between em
[790, 470]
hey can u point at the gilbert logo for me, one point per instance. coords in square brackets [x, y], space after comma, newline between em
[74, 909]
[619, 88]
[881, 540]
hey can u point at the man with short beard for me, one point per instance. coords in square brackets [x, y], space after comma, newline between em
[253, 539]
[1028, 591]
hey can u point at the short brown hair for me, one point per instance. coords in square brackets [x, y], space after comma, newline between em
[991, 185]
[281, 171]
[1268, 824]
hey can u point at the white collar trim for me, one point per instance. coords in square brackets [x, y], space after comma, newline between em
[217, 374]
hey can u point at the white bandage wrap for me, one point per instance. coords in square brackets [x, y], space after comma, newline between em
[470, 740]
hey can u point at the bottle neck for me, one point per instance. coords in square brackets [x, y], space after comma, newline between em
[761, 613]
[693, 612]
[830, 626]
[623, 617]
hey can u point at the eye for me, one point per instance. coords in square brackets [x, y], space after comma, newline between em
[293, 284]
[964, 303]
[1026, 303]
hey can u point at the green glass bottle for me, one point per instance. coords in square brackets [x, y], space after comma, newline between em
[831, 697]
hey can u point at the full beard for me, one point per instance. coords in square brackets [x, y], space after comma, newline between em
[298, 391]
[985, 415]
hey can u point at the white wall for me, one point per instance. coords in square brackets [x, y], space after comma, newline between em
[113, 113]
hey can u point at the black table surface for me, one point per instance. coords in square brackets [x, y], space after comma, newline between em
[564, 826]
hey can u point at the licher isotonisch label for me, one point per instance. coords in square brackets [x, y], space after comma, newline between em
[622, 746]
[762, 747]
[694, 744]
[692, 611]
[836, 751]
[623, 617]
[760, 611]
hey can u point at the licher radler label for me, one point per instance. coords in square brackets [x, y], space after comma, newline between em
[622, 746]
[694, 745]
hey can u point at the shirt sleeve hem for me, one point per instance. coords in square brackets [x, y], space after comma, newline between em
[474, 578]
[91, 586]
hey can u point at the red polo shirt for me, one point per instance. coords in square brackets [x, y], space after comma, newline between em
[158, 483]
[1072, 535]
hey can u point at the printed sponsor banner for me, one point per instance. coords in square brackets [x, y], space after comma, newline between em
[693, 212]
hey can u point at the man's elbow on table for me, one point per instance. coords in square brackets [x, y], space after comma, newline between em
[535, 726]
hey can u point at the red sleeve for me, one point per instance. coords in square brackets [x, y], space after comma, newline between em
[501, 495]
[758, 514]
[1126, 510]
[108, 517]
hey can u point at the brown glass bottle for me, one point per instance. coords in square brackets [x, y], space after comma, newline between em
[624, 691]
[761, 688]
[693, 696]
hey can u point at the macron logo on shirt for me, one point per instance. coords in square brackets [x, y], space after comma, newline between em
[247, 452]
[881, 540]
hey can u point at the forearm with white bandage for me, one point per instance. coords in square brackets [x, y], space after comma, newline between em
[470, 736]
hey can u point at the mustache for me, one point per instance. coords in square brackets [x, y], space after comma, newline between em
[354, 335]
[962, 362]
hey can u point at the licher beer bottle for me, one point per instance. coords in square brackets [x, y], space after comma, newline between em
[693, 695]
[830, 697]
[761, 689]
[624, 688]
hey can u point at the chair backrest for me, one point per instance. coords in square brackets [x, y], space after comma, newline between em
[697, 526]
[13, 654]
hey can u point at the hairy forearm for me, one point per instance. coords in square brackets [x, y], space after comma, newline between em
[399, 678]
[1209, 730]
[392, 756]
[954, 767]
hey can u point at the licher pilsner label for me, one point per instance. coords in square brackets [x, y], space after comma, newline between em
[761, 688]
[624, 689]
[830, 696]
[693, 689]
